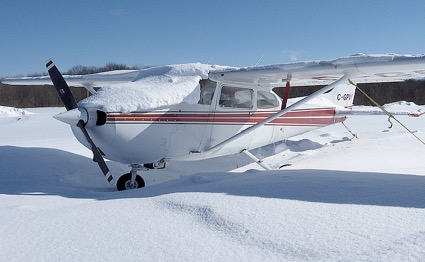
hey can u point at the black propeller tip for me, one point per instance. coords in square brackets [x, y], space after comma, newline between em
[61, 86]
[49, 64]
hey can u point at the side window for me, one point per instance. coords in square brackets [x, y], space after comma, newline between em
[207, 91]
[235, 97]
[266, 100]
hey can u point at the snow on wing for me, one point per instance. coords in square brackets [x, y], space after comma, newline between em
[362, 68]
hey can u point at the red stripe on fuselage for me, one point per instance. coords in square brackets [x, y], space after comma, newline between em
[316, 116]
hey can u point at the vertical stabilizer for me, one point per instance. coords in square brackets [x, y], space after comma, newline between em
[342, 95]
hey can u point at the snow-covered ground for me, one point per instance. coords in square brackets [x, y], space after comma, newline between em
[341, 199]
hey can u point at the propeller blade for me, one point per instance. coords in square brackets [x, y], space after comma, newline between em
[61, 86]
[70, 104]
[96, 153]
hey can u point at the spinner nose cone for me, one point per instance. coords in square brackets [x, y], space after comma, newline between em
[72, 117]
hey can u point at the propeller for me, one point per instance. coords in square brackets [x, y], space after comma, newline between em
[68, 100]
[61, 86]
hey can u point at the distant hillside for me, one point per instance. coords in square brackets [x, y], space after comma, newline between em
[383, 93]
[35, 96]
[111, 66]
[45, 96]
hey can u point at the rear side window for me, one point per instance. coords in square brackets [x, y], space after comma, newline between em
[266, 100]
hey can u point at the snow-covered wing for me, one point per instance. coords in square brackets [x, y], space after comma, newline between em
[134, 90]
[99, 79]
[153, 88]
[361, 68]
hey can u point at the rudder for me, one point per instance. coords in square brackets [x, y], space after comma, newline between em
[342, 95]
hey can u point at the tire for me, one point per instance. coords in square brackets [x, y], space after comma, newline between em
[123, 182]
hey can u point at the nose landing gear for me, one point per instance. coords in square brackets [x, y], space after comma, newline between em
[131, 180]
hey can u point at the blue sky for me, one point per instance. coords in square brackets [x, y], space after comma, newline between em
[236, 33]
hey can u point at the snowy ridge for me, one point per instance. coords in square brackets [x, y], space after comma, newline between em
[11, 111]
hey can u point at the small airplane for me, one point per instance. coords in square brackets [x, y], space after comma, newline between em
[231, 110]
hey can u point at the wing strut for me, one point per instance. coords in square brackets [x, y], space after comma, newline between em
[256, 159]
[286, 94]
[273, 117]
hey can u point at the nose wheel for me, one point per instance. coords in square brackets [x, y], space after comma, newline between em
[131, 180]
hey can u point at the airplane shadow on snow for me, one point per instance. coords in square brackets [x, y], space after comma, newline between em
[54, 172]
[46, 171]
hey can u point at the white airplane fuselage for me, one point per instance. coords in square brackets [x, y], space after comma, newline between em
[184, 131]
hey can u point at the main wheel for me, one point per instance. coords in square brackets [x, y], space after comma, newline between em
[124, 182]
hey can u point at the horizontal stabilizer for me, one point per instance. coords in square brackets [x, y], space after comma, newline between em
[376, 111]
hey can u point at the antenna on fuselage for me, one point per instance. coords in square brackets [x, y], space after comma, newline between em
[259, 59]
